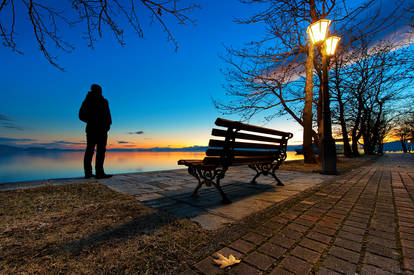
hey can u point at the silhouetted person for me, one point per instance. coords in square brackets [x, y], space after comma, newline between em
[95, 112]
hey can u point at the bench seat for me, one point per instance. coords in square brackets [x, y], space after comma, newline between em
[262, 149]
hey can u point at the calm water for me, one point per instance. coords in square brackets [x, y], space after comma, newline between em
[21, 166]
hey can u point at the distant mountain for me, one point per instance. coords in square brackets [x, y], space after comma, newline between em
[162, 149]
[390, 146]
[7, 148]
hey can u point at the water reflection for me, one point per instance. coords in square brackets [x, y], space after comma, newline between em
[21, 166]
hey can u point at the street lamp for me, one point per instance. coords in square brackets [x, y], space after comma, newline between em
[317, 33]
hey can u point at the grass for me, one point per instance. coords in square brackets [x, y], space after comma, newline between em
[343, 164]
[88, 228]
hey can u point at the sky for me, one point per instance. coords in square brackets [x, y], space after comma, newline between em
[158, 97]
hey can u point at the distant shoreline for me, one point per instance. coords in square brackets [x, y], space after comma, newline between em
[394, 146]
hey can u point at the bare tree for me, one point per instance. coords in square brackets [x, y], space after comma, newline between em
[368, 84]
[48, 19]
[267, 75]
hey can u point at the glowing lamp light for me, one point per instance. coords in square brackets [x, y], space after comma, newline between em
[317, 31]
[330, 44]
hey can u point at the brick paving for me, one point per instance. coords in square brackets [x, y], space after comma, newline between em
[360, 223]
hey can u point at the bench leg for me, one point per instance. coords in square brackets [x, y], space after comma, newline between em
[275, 167]
[208, 177]
[193, 171]
[261, 169]
[264, 169]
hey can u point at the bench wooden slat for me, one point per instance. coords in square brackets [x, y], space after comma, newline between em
[244, 126]
[239, 160]
[195, 162]
[223, 133]
[220, 152]
[222, 143]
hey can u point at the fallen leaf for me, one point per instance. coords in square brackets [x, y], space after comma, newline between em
[225, 262]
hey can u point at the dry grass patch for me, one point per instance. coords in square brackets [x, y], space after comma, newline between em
[343, 164]
[88, 228]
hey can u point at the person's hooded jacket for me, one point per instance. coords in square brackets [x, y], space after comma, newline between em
[95, 112]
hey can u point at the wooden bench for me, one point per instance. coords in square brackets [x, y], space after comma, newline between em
[265, 154]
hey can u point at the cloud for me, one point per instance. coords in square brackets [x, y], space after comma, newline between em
[7, 122]
[68, 142]
[136, 133]
[11, 126]
[4, 117]
[15, 140]
[122, 142]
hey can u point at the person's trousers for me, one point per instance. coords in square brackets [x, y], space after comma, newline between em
[99, 140]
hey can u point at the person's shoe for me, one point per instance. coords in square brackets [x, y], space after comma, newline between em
[88, 176]
[103, 176]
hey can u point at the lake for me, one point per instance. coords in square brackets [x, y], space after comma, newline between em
[22, 166]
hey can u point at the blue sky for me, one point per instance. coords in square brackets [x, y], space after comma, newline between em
[152, 89]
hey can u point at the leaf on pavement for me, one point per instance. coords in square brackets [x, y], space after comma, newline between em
[225, 262]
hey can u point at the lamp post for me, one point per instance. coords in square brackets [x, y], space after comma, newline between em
[317, 32]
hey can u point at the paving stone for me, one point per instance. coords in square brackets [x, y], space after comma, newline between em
[314, 245]
[297, 227]
[344, 254]
[282, 241]
[355, 224]
[339, 265]
[265, 231]
[350, 236]
[409, 264]
[259, 260]
[211, 222]
[304, 222]
[354, 230]
[226, 251]
[292, 234]
[325, 230]
[381, 241]
[273, 225]
[408, 252]
[279, 271]
[242, 246]
[319, 237]
[382, 234]
[254, 238]
[296, 265]
[242, 268]
[406, 236]
[407, 243]
[272, 250]
[370, 269]
[382, 262]
[207, 266]
[351, 245]
[383, 251]
[324, 271]
[306, 254]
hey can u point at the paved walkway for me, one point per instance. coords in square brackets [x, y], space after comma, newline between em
[170, 191]
[361, 223]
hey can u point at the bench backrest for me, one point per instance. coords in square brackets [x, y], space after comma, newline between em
[244, 143]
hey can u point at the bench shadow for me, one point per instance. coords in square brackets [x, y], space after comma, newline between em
[144, 225]
[175, 205]
[182, 205]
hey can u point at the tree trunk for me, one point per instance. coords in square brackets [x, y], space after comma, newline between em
[345, 138]
[404, 147]
[309, 156]
[320, 119]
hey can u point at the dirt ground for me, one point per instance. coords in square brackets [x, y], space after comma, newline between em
[88, 228]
